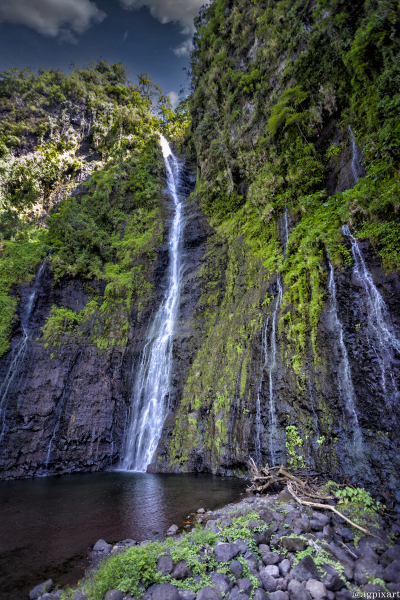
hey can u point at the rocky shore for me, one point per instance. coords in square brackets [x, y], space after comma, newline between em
[261, 547]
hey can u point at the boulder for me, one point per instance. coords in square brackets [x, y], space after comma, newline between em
[180, 570]
[212, 526]
[264, 548]
[306, 569]
[187, 595]
[284, 566]
[165, 591]
[222, 582]
[165, 564]
[102, 546]
[236, 568]
[324, 519]
[173, 529]
[225, 552]
[208, 593]
[245, 585]
[259, 594]
[114, 595]
[41, 589]
[278, 595]
[302, 524]
[272, 570]
[270, 558]
[367, 567]
[392, 572]
[293, 544]
[268, 582]
[332, 579]
[317, 589]
[297, 591]
[390, 555]
[345, 533]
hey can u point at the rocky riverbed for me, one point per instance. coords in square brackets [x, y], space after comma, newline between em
[259, 548]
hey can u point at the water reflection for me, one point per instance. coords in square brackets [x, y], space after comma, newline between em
[48, 524]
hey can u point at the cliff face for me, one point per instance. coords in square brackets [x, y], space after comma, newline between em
[287, 346]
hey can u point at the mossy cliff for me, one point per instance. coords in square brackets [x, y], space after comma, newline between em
[294, 133]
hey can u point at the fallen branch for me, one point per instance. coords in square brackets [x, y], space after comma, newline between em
[328, 507]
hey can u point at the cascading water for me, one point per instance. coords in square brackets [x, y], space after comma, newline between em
[19, 351]
[149, 400]
[268, 351]
[286, 229]
[384, 340]
[356, 167]
[346, 388]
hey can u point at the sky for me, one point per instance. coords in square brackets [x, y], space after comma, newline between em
[146, 35]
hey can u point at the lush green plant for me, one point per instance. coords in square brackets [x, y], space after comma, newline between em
[294, 445]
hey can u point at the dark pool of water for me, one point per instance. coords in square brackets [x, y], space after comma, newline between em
[47, 525]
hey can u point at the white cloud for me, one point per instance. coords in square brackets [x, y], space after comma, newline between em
[179, 11]
[60, 18]
[184, 49]
[173, 96]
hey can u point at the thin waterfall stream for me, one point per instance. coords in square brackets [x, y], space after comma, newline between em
[19, 351]
[149, 399]
[384, 340]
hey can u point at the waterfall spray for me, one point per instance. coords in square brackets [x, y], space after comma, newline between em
[149, 399]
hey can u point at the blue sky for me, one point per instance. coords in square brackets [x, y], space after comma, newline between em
[146, 35]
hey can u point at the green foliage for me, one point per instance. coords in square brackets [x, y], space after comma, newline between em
[294, 445]
[358, 496]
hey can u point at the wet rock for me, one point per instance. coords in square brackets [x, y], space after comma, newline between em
[345, 533]
[306, 569]
[390, 555]
[342, 556]
[264, 537]
[293, 544]
[394, 588]
[366, 567]
[102, 546]
[180, 570]
[297, 591]
[392, 572]
[272, 570]
[236, 568]
[264, 548]
[245, 585]
[260, 594]
[344, 594]
[316, 525]
[317, 589]
[225, 552]
[372, 589]
[114, 595]
[322, 518]
[302, 524]
[270, 558]
[165, 564]
[208, 593]
[165, 591]
[222, 582]
[187, 595]
[41, 589]
[284, 566]
[266, 515]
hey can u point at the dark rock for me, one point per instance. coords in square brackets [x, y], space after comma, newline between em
[324, 519]
[390, 555]
[345, 533]
[254, 524]
[165, 591]
[41, 589]
[284, 566]
[236, 594]
[293, 544]
[297, 591]
[316, 525]
[344, 594]
[80, 596]
[364, 567]
[165, 564]
[259, 594]
[332, 579]
[302, 524]
[208, 593]
[225, 552]
[180, 570]
[341, 555]
[222, 582]
[264, 537]
[187, 595]
[245, 585]
[266, 515]
[236, 568]
[270, 558]
[277, 516]
[372, 588]
[268, 582]
[279, 595]
[242, 545]
[212, 526]
[271, 570]
[114, 595]
[306, 569]
[394, 588]
[264, 548]
[392, 572]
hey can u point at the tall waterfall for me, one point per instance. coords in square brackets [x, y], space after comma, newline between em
[149, 399]
[269, 351]
[19, 351]
[383, 338]
[356, 166]
[345, 382]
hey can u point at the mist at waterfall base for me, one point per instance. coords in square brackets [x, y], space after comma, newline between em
[49, 523]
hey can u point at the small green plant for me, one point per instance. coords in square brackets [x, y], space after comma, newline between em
[332, 152]
[358, 496]
[321, 441]
[294, 444]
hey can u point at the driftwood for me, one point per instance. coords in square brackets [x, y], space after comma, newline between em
[298, 488]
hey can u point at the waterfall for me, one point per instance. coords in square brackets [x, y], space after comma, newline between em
[286, 229]
[149, 399]
[356, 167]
[345, 381]
[19, 351]
[384, 339]
[268, 363]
